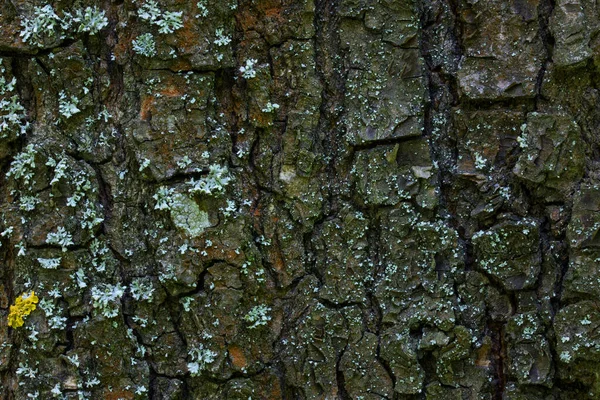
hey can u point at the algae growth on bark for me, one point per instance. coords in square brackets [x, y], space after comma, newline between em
[300, 199]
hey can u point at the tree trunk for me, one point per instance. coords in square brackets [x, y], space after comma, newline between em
[300, 199]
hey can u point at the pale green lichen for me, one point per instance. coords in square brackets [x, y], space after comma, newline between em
[106, 299]
[67, 107]
[23, 165]
[218, 177]
[45, 23]
[144, 45]
[61, 238]
[186, 215]
[201, 357]
[167, 21]
[258, 316]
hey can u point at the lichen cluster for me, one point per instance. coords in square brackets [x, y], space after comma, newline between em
[308, 199]
[23, 306]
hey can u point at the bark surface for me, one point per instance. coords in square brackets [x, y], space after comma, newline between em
[300, 199]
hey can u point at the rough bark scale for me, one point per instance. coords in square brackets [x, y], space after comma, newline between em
[301, 199]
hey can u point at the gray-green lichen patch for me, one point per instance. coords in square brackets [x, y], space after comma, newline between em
[416, 254]
[529, 352]
[483, 139]
[582, 231]
[510, 252]
[552, 152]
[386, 175]
[343, 249]
[399, 350]
[176, 120]
[385, 86]
[581, 279]
[364, 376]
[197, 39]
[187, 215]
[578, 343]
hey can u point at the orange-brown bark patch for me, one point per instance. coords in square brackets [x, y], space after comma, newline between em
[237, 357]
[118, 395]
[146, 108]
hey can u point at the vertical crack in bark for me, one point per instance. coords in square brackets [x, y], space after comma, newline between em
[9, 375]
[373, 320]
[105, 197]
[441, 54]
[427, 361]
[545, 9]
[339, 376]
[442, 93]
[330, 71]
[496, 331]
[224, 86]
[385, 363]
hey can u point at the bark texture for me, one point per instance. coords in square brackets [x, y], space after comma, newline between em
[300, 199]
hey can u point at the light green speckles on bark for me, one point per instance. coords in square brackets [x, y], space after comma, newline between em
[188, 216]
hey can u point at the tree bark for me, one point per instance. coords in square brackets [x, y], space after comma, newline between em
[300, 199]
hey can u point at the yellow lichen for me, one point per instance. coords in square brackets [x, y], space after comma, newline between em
[24, 305]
